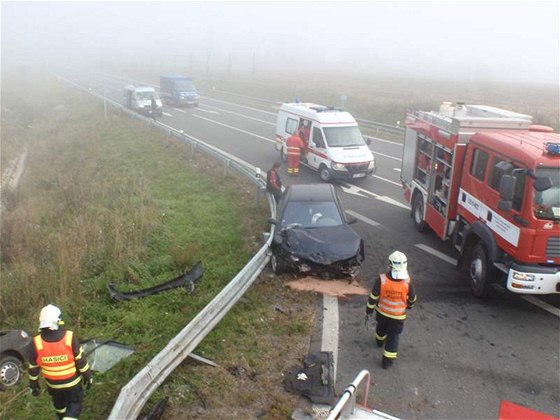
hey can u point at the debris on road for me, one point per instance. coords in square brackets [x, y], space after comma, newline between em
[314, 380]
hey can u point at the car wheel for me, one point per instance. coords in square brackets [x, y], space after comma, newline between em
[276, 264]
[480, 274]
[418, 213]
[11, 371]
[324, 174]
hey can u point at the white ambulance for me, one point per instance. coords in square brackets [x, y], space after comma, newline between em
[335, 146]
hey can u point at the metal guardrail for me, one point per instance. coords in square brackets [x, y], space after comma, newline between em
[134, 395]
[381, 126]
[347, 408]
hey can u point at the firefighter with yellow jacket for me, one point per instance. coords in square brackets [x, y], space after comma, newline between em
[391, 295]
[58, 356]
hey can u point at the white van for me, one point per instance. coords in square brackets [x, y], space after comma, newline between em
[335, 146]
[139, 99]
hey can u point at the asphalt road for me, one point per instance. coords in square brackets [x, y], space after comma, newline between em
[459, 356]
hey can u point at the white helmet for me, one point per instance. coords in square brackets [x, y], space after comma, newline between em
[50, 317]
[398, 265]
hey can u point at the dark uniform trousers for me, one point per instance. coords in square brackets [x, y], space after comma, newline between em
[388, 331]
[67, 401]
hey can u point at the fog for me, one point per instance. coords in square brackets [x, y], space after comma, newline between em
[487, 41]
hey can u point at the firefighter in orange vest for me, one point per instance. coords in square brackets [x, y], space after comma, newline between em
[391, 295]
[57, 354]
[294, 144]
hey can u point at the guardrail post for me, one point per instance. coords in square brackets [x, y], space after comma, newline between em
[226, 164]
[258, 196]
[193, 146]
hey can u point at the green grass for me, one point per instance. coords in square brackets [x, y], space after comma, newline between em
[114, 201]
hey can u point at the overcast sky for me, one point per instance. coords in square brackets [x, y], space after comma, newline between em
[507, 41]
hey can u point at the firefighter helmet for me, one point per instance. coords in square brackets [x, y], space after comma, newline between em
[398, 265]
[50, 317]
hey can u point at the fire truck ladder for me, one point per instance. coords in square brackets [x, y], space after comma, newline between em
[347, 408]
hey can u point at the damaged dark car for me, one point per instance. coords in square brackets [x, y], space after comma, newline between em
[313, 235]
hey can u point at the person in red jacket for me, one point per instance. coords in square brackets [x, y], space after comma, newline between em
[391, 295]
[273, 182]
[58, 356]
[294, 144]
[304, 131]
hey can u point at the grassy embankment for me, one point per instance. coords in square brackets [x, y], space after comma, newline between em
[115, 201]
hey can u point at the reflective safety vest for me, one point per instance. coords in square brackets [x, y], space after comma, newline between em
[56, 361]
[294, 145]
[393, 297]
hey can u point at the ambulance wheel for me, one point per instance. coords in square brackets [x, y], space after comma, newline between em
[324, 174]
[480, 273]
[418, 213]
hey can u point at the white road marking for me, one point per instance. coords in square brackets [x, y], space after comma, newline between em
[352, 189]
[239, 106]
[241, 115]
[329, 341]
[387, 156]
[388, 180]
[210, 111]
[180, 110]
[384, 141]
[234, 128]
[223, 152]
[363, 218]
[541, 304]
[397, 169]
[167, 114]
[436, 253]
[357, 190]
[529, 298]
[392, 201]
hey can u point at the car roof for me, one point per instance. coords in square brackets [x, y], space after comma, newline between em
[311, 192]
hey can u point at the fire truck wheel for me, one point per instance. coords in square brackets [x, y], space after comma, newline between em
[418, 213]
[480, 273]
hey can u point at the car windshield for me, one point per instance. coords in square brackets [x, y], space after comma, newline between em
[546, 204]
[344, 136]
[310, 214]
[146, 95]
[185, 85]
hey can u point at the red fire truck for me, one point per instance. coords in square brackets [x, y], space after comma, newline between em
[489, 181]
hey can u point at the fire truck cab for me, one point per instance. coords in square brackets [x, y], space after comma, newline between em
[489, 181]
